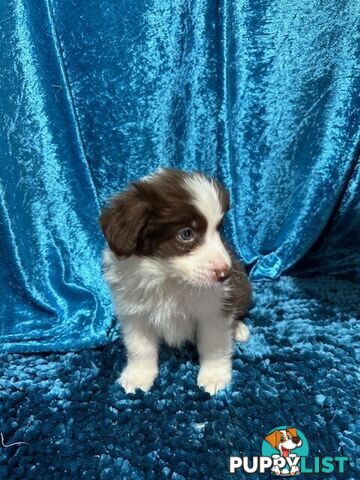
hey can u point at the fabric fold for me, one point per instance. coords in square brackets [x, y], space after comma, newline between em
[95, 94]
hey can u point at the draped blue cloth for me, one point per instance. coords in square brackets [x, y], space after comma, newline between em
[264, 95]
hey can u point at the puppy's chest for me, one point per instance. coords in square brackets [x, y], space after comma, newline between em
[172, 312]
[173, 315]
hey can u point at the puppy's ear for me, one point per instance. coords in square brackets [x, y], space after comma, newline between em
[292, 432]
[273, 438]
[123, 221]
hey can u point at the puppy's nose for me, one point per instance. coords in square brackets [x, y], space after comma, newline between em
[222, 274]
[296, 440]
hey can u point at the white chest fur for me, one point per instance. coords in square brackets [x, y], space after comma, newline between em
[140, 292]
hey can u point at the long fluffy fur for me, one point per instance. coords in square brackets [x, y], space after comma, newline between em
[163, 293]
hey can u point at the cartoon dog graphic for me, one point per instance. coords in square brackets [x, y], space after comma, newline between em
[285, 441]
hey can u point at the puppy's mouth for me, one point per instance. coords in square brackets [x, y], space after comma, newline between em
[216, 283]
[284, 451]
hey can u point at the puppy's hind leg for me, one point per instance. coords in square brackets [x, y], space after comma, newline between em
[241, 331]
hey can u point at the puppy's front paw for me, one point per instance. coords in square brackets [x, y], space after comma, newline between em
[132, 378]
[242, 333]
[294, 470]
[212, 379]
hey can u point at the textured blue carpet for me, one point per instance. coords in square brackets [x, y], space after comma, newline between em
[301, 367]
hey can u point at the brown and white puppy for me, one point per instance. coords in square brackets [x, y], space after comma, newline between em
[172, 277]
[285, 441]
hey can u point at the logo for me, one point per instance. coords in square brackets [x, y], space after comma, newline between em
[284, 453]
[286, 446]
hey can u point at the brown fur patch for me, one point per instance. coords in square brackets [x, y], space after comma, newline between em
[239, 293]
[123, 220]
[145, 218]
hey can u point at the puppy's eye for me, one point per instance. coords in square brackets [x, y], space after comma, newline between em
[185, 235]
[288, 437]
[282, 439]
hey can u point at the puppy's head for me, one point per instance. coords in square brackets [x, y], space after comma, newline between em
[173, 218]
[284, 440]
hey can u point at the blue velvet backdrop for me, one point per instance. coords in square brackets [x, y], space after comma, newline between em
[264, 95]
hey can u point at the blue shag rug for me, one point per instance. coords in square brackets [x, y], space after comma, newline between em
[301, 368]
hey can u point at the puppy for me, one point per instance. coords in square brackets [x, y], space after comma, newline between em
[285, 441]
[171, 276]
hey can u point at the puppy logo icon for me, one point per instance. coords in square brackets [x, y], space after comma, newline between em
[286, 446]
